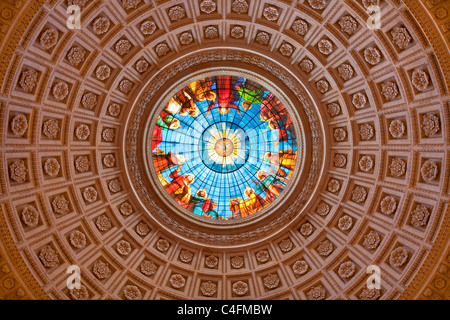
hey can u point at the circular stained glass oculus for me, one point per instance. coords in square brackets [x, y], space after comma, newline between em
[224, 147]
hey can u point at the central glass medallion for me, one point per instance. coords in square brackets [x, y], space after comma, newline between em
[224, 147]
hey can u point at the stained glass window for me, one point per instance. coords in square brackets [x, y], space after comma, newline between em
[224, 148]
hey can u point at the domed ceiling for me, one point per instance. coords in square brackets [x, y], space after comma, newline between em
[212, 149]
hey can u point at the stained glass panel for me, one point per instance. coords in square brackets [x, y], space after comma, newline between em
[224, 148]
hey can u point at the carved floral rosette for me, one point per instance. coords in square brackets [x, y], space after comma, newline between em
[237, 32]
[323, 209]
[148, 267]
[388, 205]
[316, 293]
[30, 216]
[372, 55]
[148, 27]
[60, 204]
[348, 24]
[240, 288]
[371, 240]
[237, 262]
[103, 223]
[19, 125]
[208, 6]
[101, 270]
[101, 25]
[300, 267]
[300, 27]
[132, 292]
[240, 6]
[49, 38]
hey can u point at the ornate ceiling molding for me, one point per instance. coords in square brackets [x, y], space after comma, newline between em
[403, 79]
[223, 57]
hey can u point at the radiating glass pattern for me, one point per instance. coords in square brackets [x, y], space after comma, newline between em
[224, 147]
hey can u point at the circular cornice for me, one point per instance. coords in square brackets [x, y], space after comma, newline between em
[233, 71]
[220, 57]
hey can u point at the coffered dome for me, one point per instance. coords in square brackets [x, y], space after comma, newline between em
[224, 149]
